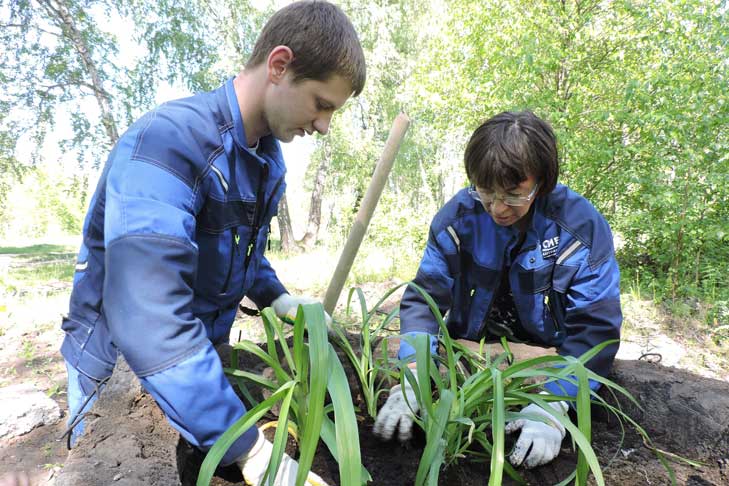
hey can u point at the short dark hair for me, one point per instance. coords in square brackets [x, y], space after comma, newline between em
[508, 148]
[322, 39]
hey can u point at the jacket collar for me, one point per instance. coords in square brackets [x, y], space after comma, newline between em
[268, 144]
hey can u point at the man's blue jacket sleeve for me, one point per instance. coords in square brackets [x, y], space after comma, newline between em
[151, 264]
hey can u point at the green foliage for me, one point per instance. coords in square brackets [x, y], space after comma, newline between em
[36, 265]
[635, 91]
[303, 375]
[39, 249]
[59, 55]
[466, 412]
[45, 205]
[41, 274]
[370, 370]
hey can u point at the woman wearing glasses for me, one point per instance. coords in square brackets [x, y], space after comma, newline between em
[515, 255]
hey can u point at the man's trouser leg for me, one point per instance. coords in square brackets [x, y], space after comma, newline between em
[81, 398]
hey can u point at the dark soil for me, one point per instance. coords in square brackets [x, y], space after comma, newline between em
[683, 413]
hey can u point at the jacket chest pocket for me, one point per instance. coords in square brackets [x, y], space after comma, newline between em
[555, 303]
[534, 281]
[223, 232]
[533, 301]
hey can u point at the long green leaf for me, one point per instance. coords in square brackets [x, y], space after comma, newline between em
[252, 377]
[281, 375]
[271, 320]
[328, 436]
[424, 360]
[311, 315]
[350, 459]
[445, 337]
[221, 446]
[584, 421]
[497, 430]
[279, 439]
[436, 423]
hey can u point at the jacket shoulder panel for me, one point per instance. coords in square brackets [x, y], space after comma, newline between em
[181, 137]
[458, 207]
[575, 214]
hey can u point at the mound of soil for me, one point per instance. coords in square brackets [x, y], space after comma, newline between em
[130, 442]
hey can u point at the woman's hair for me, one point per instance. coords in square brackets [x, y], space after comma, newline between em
[508, 148]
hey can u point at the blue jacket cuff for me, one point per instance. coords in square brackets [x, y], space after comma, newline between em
[407, 351]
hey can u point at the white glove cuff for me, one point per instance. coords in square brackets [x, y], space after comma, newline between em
[282, 304]
[255, 449]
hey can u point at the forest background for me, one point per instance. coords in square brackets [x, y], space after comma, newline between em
[636, 91]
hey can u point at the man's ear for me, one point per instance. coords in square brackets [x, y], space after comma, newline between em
[278, 63]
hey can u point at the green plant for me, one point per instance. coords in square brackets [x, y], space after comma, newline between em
[47, 449]
[466, 412]
[28, 351]
[303, 374]
[55, 389]
[369, 370]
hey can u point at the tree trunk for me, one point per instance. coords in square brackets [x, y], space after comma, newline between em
[284, 225]
[67, 25]
[312, 226]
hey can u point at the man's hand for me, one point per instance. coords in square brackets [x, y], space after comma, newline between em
[253, 466]
[540, 440]
[286, 305]
[396, 410]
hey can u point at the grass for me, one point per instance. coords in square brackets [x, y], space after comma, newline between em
[28, 350]
[43, 273]
[39, 249]
[36, 266]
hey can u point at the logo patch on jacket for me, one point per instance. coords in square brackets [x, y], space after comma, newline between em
[549, 247]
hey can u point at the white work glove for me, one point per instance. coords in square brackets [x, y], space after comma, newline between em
[544, 440]
[253, 466]
[396, 410]
[286, 305]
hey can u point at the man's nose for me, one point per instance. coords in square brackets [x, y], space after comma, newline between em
[321, 124]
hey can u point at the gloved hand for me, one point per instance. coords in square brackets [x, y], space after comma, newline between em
[253, 466]
[545, 440]
[396, 410]
[286, 305]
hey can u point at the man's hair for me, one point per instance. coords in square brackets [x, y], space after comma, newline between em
[510, 147]
[322, 39]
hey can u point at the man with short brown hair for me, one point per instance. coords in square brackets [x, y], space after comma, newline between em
[176, 230]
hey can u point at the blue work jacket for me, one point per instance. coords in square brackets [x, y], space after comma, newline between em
[173, 240]
[564, 279]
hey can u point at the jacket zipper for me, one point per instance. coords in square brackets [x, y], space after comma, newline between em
[257, 216]
[549, 299]
[235, 250]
